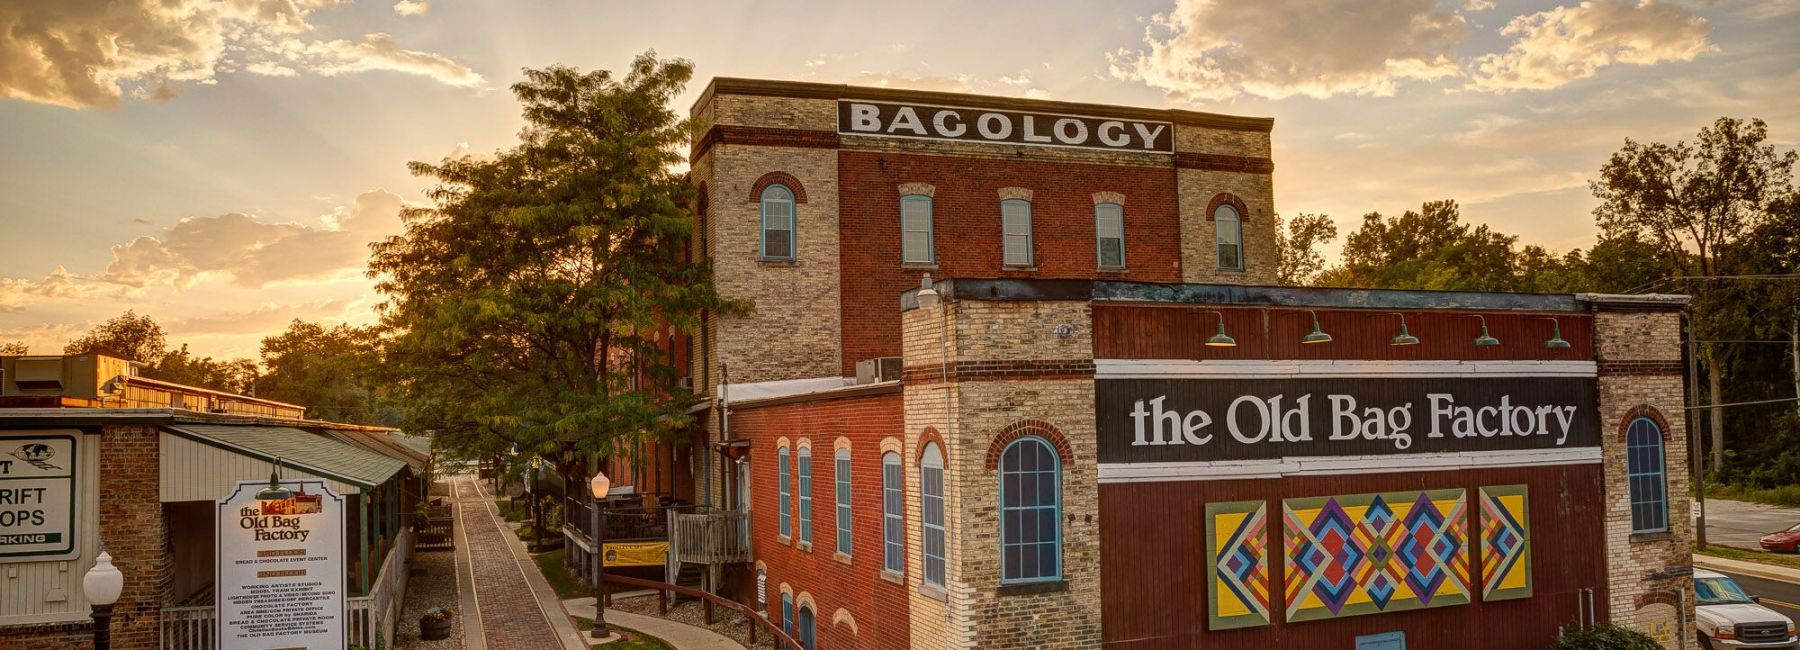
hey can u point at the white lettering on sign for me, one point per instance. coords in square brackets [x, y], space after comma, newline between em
[890, 119]
[1254, 419]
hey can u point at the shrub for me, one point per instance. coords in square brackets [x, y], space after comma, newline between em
[1606, 637]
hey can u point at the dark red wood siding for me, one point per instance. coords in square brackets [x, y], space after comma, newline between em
[1153, 563]
[1179, 332]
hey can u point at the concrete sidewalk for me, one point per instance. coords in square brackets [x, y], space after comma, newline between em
[1757, 569]
[680, 635]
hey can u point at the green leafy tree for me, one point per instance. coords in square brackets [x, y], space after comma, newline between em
[336, 372]
[127, 336]
[1428, 249]
[14, 348]
[1297, 242]
[526, 306]
[184, 367]
[1606, 637]
[1691, 202]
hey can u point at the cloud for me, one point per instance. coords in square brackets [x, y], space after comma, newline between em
[96, 53]
[253, 252]
[264, 318]
[15, 293]
[412, 7]
[958, 83]
[1557, 46]
[1023, 78]
[1209, 49]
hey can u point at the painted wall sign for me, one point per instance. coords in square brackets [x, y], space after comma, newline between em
[923, 121]
[281, 579]
[37, 498]
[1186, 420]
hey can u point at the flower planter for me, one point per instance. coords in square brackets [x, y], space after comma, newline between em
[433, 629]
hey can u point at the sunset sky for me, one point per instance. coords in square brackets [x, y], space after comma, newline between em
[222, 166]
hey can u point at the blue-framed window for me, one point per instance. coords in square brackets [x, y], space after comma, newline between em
[1645, 475]
[1030, 512]
[893, 524]
[806, 629]
[787, 614]
[778, 222]
[916, 244]
[1228, 234]
[931, 514]
[841, 477]
[1384, 641]
[783, 476]
[1015, 232]
[805, 495]
[1109, 233]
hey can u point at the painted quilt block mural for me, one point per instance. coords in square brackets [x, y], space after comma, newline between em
[1505, 542]
[1237, 575]
[1357, 554]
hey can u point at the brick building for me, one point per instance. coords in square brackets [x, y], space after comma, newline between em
[1109, 429]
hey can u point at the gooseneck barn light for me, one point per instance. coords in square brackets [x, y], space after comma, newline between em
[274, 491]
[1556, 341]
[1317, 335]
[1404, 337]
[1220, 339]
[1486, 339]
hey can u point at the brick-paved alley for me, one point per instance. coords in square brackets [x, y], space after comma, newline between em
[510, 614]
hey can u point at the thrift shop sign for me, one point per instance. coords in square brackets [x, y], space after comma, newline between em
[924, 121]
[1178, 420]
[37, 497]
[281, 569]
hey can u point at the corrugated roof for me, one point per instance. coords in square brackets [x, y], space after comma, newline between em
[379, 443]
[303, 449]
[419, 444]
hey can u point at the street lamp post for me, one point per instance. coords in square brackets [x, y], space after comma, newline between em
[102, 586]
[599, 485]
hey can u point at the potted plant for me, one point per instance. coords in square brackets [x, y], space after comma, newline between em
[435, 624]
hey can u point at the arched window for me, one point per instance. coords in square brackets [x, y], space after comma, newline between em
[893, 502]
[841, 477]
[1109, 229]
[1644, 472]
[915, 229]
[777, 222]
[1228, 232]
[806, 629]
[931, 513]
[1015, 232]
[806, 500]
[1030, 512]
[783, 477]
[787, 613]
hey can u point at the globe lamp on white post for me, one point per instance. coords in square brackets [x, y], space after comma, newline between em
[599, 485]
[102, 586]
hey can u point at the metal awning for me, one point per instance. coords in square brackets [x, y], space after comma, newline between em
[306, 452]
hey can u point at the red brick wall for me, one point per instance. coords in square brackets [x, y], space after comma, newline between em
[966, 227]
[879, 606]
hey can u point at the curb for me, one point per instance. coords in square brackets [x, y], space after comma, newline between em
[1753, 569]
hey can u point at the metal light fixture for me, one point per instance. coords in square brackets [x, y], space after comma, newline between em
[102, 586]
[1486, 339]
[275, 491]
[599, 486]
[1405, 337]
[927, 296]
[1220, 339]
[1556, 341]
[1317, 335]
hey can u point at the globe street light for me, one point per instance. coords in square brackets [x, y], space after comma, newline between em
[599, 485]
[102, 586]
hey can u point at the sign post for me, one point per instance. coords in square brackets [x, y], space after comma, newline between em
[281, 579]
[37, 498]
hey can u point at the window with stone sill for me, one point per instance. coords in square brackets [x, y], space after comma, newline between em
[1109, 231]
[777, 223]
[931, 515]
[916, 245]
[786, 508]
[841, 478]
[1645, 467]
[893, 504]
[1015, 232]
[806, 500]
[1228, 234]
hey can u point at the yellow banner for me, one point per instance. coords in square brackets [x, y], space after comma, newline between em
[636, 553]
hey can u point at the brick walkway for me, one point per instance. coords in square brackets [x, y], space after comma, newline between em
[510, 615]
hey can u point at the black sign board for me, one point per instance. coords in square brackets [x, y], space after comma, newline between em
[921, 121]
[1188, 420]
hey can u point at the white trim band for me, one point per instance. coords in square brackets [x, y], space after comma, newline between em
[1329, 465]
[1299, 369]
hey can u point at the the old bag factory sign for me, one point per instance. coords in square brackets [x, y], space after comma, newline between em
[896, 120]
[1186, 420]
[281, 579]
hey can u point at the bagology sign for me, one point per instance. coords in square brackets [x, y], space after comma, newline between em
[896, 120]
[281, 569]
[1185, 420]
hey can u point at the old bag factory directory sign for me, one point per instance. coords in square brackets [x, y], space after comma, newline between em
[281, 580]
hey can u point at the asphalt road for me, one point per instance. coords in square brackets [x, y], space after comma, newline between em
[1735, 523]
[1782, 597]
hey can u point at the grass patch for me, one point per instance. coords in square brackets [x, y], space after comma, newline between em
[1786, 495]
[551, 565]
[1746, 555]
[510, 511]
[634, 640]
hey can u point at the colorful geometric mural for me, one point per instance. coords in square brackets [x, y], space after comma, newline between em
[1371, 553]
[1237, 575]
[1505, 542]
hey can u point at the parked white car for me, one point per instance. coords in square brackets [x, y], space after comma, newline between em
[1728, 618]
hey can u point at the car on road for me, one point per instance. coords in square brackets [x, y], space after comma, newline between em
[1783, 540]
[1727, 618]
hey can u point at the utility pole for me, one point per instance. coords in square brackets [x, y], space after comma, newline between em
[1695, 459]
[1794, 342]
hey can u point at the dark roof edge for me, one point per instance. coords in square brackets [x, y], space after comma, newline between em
[813, 90]
[261, 455]
[847, 392]
[1270, 296]
[1635, 302]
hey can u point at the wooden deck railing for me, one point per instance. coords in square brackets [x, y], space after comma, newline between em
[709, 602]
[712, 537]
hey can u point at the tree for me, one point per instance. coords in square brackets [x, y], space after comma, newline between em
[527, 306]
[334, 371]
[1428, 249]
[183, 367]
[128, 336]
[1297, 242]
[1691, 203]
[14, 348]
